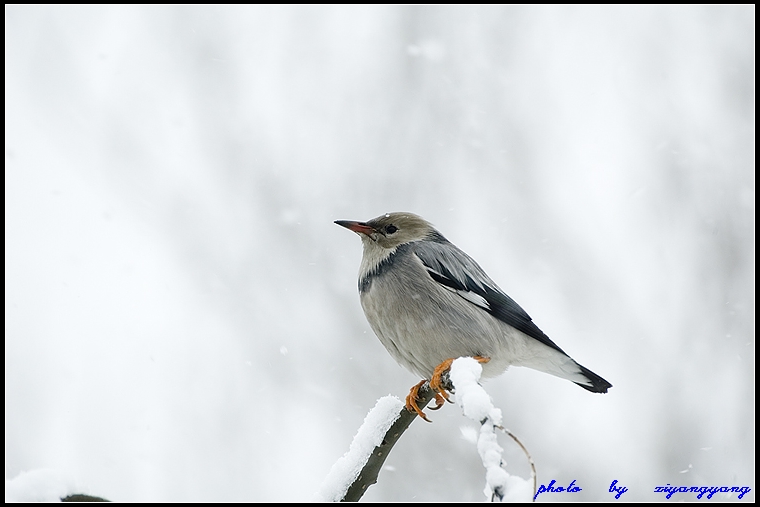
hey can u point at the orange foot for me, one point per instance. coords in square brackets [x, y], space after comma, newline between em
[413, 397]
[441, 396]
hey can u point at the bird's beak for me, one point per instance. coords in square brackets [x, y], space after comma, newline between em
[357, 227]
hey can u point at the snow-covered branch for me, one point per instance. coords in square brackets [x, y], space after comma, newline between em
[358, 469]
[45, 485]
[476, 405]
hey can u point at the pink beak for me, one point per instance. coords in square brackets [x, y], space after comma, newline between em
[357, 227]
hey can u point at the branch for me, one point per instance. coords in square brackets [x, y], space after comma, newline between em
[359, 468]
[78, 497]
[368, 474]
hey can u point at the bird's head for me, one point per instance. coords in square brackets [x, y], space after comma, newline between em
[382, 235]
[390, 230]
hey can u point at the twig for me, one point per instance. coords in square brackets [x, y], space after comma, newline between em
[527, 454]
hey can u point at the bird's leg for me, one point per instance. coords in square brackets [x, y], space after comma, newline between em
[436, 384]
[435, 381]
[441, 396]
[411, 400]
[412, 397]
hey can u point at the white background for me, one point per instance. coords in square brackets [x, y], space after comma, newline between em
[181, 315]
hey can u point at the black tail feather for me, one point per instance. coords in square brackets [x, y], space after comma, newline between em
[599, 385]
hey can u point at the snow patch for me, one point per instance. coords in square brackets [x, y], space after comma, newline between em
[42, 485]
[370, 435]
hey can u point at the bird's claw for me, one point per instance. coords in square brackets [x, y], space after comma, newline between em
[411, 400]
[436, 384]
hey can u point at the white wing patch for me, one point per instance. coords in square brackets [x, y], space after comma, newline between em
[475, 299]
[470, 296]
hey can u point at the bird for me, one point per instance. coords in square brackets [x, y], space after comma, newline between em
[429, 303]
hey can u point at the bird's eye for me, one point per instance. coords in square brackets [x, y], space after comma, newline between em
[390, 229]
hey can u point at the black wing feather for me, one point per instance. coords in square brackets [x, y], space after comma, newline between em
[449, 266]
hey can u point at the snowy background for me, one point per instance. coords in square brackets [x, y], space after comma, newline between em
[181, 315]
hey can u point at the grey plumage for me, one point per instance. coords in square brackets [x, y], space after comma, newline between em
[428, 301]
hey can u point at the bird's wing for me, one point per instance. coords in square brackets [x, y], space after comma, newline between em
[457, 271]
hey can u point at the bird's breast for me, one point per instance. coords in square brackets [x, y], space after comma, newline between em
[421, 324]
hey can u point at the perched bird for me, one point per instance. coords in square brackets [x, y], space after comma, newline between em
[429, 303]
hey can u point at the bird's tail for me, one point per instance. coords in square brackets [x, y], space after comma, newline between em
[598, 384]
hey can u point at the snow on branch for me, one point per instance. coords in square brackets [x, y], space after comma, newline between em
[359, 468]
[41, 485]
[476, 405]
